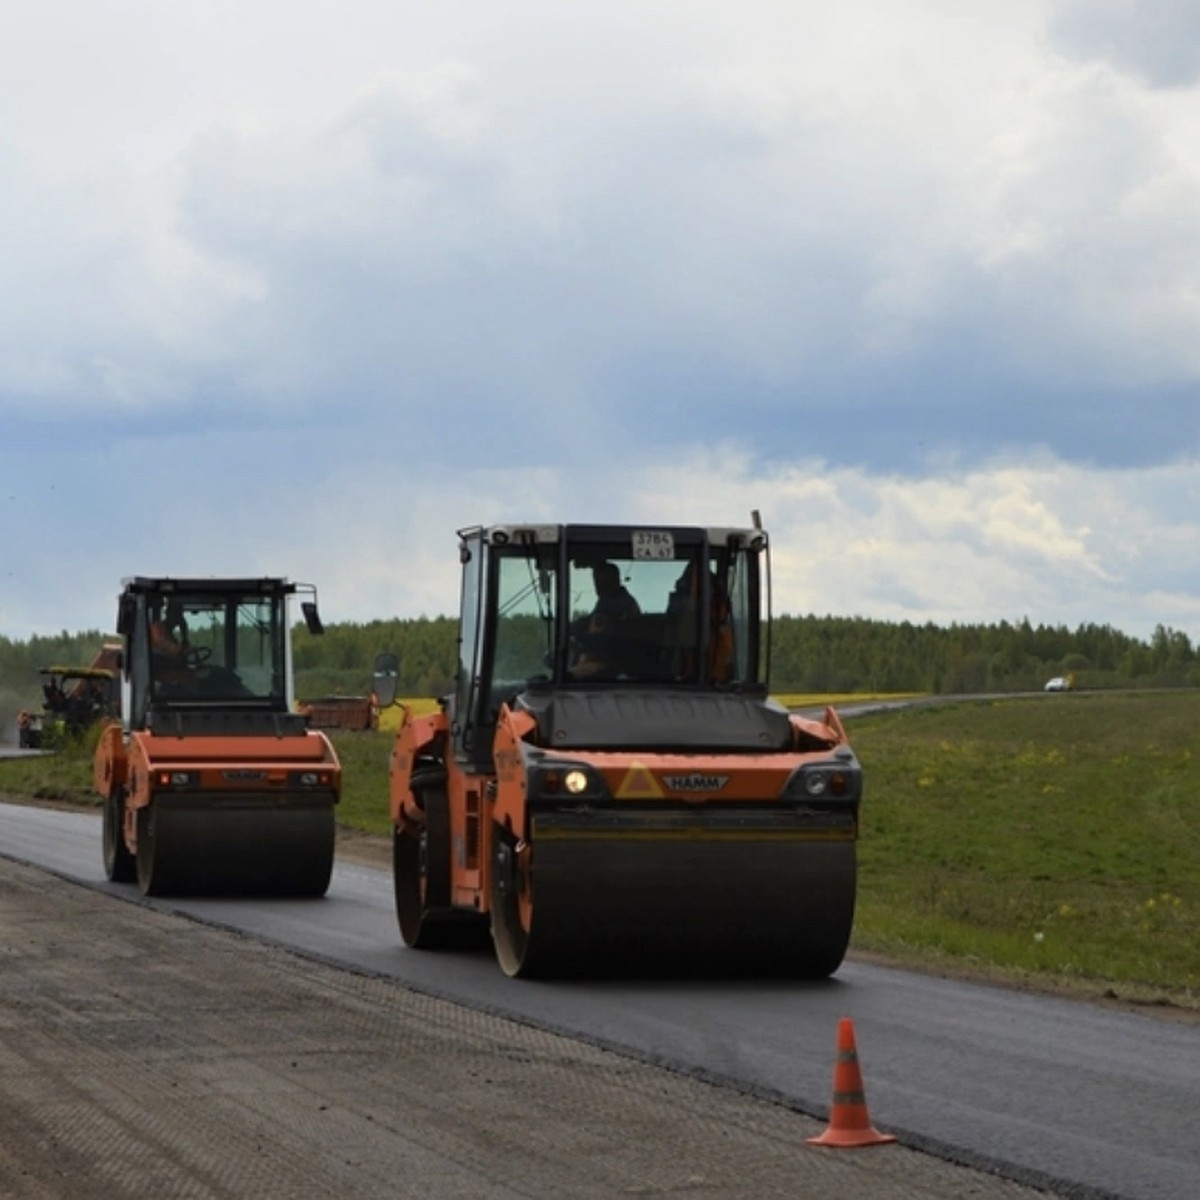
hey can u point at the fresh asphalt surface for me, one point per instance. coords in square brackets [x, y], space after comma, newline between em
[1081, 1098]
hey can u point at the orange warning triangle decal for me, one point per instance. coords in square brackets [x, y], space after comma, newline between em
[639, 784]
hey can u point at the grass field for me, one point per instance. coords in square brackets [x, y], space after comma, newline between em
[1057, 836]
[1053, 840]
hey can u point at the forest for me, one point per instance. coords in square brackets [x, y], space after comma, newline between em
[809, 654]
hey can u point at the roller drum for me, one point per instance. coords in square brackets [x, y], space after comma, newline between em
[119, 865]
[673, 902]
[198, 849]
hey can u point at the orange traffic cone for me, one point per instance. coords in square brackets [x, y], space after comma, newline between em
[849, 1124]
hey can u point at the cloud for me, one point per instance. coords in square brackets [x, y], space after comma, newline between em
[1046, 540]
[929, 271]
[870, 211]
[819, 254]
[1159, 42]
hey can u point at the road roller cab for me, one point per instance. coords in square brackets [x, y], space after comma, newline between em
[610, 786]
[211, 782]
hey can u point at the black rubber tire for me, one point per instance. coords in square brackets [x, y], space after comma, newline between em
[120, 866]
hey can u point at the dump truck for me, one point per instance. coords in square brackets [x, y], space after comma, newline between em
[610, 785]
[211, 782]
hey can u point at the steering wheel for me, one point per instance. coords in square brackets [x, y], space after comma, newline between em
[194, 656]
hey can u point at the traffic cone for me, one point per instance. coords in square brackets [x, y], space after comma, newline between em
[849, 1124]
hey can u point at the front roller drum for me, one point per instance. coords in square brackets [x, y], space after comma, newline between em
[705, 907]
[235, 851]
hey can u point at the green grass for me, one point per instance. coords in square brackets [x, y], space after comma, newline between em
[364, 757]
[65, 775]
[1051, 840]
[1056, 837]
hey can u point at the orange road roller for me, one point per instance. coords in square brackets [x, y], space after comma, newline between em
[610, 787]
[211, 782]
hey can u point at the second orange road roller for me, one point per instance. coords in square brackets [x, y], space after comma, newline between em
[610, 786]
[210, 782]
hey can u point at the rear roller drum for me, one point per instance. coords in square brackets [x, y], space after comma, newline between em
[512, 905]
[421, 872]
[119, 865]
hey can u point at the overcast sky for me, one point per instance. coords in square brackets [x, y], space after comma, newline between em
[302, 288]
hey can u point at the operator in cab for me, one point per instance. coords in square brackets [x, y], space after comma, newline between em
[603, 635]
[169, 645]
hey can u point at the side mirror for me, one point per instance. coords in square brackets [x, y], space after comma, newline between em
[385, 679]
[312, 618]
[126, 615]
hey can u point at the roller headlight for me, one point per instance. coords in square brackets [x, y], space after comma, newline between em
[177, 779]
[825, 781]
[567, 781]
[311, 779]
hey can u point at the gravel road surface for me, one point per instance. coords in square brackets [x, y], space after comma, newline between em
[143, 1054]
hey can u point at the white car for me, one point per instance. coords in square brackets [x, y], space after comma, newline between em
[1058, 684]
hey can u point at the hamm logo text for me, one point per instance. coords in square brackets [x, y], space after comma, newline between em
[695, 782]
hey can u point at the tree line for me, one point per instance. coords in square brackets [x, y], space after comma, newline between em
[823, 654]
